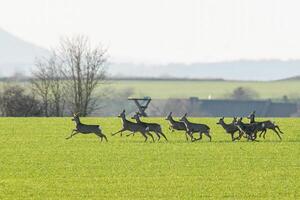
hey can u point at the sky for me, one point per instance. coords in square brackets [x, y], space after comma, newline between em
[163, 31]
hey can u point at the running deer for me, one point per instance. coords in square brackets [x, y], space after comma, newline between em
[267, 125]
[86, 129]
[153, 127]
[133, 127]
[195, 128]
[250, 130]
[176, 125]
[229, 128]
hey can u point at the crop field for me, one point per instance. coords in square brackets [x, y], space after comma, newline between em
[202, 89]
[37, 162]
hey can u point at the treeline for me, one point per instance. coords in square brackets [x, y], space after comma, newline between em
[61, 83]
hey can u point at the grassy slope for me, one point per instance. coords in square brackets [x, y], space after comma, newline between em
[37, 162]
[202, 89]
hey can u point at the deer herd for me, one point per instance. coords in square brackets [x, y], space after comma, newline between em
[237, 126]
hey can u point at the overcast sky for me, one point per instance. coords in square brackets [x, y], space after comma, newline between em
[161, 31]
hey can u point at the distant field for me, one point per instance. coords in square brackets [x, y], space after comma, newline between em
[37, 162]
[202, 89]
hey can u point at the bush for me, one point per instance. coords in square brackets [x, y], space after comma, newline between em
[15, 103]
[242, 93]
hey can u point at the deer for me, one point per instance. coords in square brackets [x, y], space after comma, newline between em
[153, 127]
[86, 129]
[250, 130]
[229, 128]
[267, 125]
[195, 128]
[176, 125]
[133, 127]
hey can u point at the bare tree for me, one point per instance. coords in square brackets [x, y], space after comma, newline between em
[48, 84]
[41, 83]
[57, 87]
[70, 76]
[83, 67]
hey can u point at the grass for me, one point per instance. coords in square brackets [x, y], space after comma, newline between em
[202, 89]
[37, 162]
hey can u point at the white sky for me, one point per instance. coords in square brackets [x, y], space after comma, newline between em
[161, 31]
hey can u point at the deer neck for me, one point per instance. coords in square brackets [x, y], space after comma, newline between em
[77, 122]
[223, 124]
[124, 120]
[186, 121]
[171, 120]
[138, 120]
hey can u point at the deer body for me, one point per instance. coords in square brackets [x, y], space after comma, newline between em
[267, 125]
[229, 128]
[153, 127]
[86, 129]
[175, 125]
[249, 129]
[133, 127]
[196, 128]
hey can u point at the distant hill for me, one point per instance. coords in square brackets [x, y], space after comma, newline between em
[233, 70]
[17, 55]
[294, 78]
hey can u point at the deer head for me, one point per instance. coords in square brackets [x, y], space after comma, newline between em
[221, 120]
[76, 117]
[136, 116]
[169, 117]
[122, 114]
[183, 118]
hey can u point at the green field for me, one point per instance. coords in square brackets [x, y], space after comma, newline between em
[37, 162]
[202, 89]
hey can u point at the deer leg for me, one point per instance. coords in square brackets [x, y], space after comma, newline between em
[232, 136]
[207, 134]
[145, 136]
[186, 136]
[148, 133]
[201, 134]
[191, 136]
[277, 127]
[157, 135]
[255, 135]
[120, 131]
[241, 133]
[264, 135]
[163, 135]
[238, 137]
[132, 133]
[277, 133]
[72, 134]
[261, 133]
[100, 135]
[105, 137]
